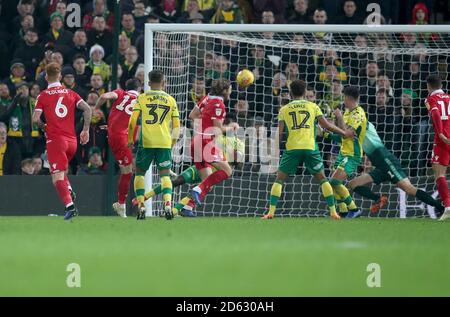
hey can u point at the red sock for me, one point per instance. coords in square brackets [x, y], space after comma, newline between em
[124, 186]
[443, 190]
[66, 179]
[63, 192]
[211, 180]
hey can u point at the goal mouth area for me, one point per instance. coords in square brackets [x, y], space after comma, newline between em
[181, 52]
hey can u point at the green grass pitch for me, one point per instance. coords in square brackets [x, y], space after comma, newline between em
[223, 256]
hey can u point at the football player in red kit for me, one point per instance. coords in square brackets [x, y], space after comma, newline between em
[211, 111]
[119, 117]
[438, 105]
[58, 106]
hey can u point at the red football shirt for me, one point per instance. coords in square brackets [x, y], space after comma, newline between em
[121, 111]
[211, 108]
[438, 104]
[58, 105]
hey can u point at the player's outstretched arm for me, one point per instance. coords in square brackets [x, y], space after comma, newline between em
[325, 124]
[37, 118]
[87, 116]
[105, 97]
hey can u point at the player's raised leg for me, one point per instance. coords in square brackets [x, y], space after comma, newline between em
[442, 187]
[122, 189]
[223, 172]
[359, 186]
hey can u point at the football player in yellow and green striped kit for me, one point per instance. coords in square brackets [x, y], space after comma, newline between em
[351, 153]
[158, 111]
[298, 121]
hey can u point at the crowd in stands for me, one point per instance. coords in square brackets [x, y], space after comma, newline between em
[34, 33]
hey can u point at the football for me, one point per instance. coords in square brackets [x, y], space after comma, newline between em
[245, 78]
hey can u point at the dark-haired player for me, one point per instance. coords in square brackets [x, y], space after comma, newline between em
[299, 118]
[119, 116]
[211, 113]
[438, 105]
[58, 106]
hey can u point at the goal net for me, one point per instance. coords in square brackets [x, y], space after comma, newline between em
[389, 68]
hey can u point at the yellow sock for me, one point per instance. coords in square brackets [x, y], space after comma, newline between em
[166, 185]
[327, 192]
[178, 206]
[342, 191]
[340, 202]
[149, 194]
[139, 188]
[275, 194]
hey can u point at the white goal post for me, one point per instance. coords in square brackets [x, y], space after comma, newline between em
[327, 57]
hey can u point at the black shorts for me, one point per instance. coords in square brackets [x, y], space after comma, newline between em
[387, 167]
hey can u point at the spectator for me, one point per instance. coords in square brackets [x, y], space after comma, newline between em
[219, 68]
[37, 165]
[420, 14]
[272, 98]
[197, 92]
[30, 51]
[61, 39]
[5, 97]
[228, 12]
[68, 81]
[350, 15]
[320, 16]
[332, 99]
[35, 90]
[97, 84]
[21, 130]
[382, 116]
[27, 166]
[300, 14]
[24, 8]
[61, 8]
[140, 14]
[366, 81]
[268, 17]
[129, 28]
[79, 45]
[243, 115]
[18, 75]
[302, 57]
[95, 165]
[48, 50]
[384, 82]
[26, 23]
[100, 9]
[196, 18]
[310, 95]
[206, 7]
[100, 35]
[130, 65]
[169, 10]
[9, 154]
[278, 7]
[357, 59]
[97, 64]
[406, 147]
[191, 9]
[124, 44]
[387, 62]
[82, 73]
[292, 73]
[140, 74]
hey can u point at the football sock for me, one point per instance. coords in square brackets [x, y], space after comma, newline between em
[139, 188]
[211, 180]
[63, 192]
[153, 192]
[340, 202]
[183, 202]
[124, 185]
[342, 191]
[366, 192]
[275, 194]
[327, 192]
[427, 199]
[166, 185]
[443, 190]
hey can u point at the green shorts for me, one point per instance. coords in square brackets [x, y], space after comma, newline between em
[191, 175]
[161, 157]
[292, 159]
[348, 163]
[387, 167]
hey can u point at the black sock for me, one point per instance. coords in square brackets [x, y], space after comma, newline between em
[366, 192]
[427, 199]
